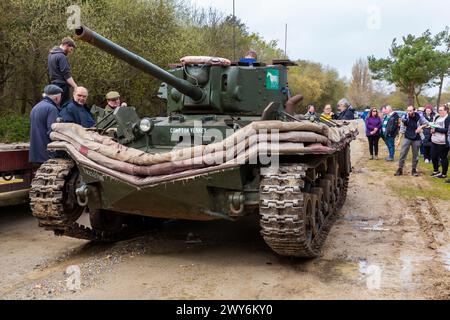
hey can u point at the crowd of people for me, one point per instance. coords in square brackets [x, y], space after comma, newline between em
[346, 112]
[424, 132]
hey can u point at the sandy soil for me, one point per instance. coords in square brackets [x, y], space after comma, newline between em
[382, 247]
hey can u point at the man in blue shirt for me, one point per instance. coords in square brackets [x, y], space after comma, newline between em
[42, 116]
[76, 110]
[250, 59]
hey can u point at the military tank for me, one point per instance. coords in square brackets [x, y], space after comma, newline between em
[230, 147]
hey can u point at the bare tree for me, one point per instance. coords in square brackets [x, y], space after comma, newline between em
[361, 87]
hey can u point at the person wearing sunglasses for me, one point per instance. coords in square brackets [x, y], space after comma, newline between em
[373, 132]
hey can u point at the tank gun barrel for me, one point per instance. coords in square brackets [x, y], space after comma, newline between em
[87, 35]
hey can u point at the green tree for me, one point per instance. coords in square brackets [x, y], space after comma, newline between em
[411, 66]
[443, 63]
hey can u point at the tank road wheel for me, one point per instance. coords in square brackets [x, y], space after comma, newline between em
[307, 215]
[327, 187]
[334, 195]
[293, 221]
[319, 210]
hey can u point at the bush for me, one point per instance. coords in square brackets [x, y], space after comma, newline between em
[14, 128]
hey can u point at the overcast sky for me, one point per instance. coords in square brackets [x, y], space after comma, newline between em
[338, 32]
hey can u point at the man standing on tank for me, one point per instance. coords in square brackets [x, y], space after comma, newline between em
[59, 69]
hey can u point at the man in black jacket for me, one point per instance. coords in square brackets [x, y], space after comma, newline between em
[59, 68]
[412, 126]
[346, 110]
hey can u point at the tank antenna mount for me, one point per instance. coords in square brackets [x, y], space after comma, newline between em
[285, 40]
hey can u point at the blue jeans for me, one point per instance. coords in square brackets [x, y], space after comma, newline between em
[390, 143]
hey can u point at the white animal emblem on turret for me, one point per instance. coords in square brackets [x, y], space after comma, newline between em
[273, 79]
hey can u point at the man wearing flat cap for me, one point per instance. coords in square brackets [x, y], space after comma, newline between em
[113, 101]
[59, 67]
[42, 116]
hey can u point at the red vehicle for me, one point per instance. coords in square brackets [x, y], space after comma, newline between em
[16, 174]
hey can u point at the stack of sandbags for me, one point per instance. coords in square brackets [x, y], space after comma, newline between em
[244, 146]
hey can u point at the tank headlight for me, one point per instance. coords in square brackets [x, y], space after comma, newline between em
[146, 125]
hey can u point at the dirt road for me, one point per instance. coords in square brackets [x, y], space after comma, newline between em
[383, 247]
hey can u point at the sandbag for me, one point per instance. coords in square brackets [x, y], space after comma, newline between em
[246, 146]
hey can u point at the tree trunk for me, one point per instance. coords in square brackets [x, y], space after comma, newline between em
[2, 91]
[411, 95]
[440, 91]
[417, 99]
[442, 81]
[35, 79]
[12, 93]
[23, 106]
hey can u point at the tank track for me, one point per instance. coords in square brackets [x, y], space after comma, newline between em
[54, 205]
[289, 215]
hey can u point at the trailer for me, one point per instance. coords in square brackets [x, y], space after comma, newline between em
[16, 174]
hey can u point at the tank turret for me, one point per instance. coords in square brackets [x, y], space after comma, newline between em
[207, 85]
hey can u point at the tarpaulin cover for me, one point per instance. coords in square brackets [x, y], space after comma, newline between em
[140, 168]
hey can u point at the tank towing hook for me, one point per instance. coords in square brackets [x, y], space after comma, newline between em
[82, 195]
[236, 201]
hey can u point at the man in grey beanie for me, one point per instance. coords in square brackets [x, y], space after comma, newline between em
[42, 116]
